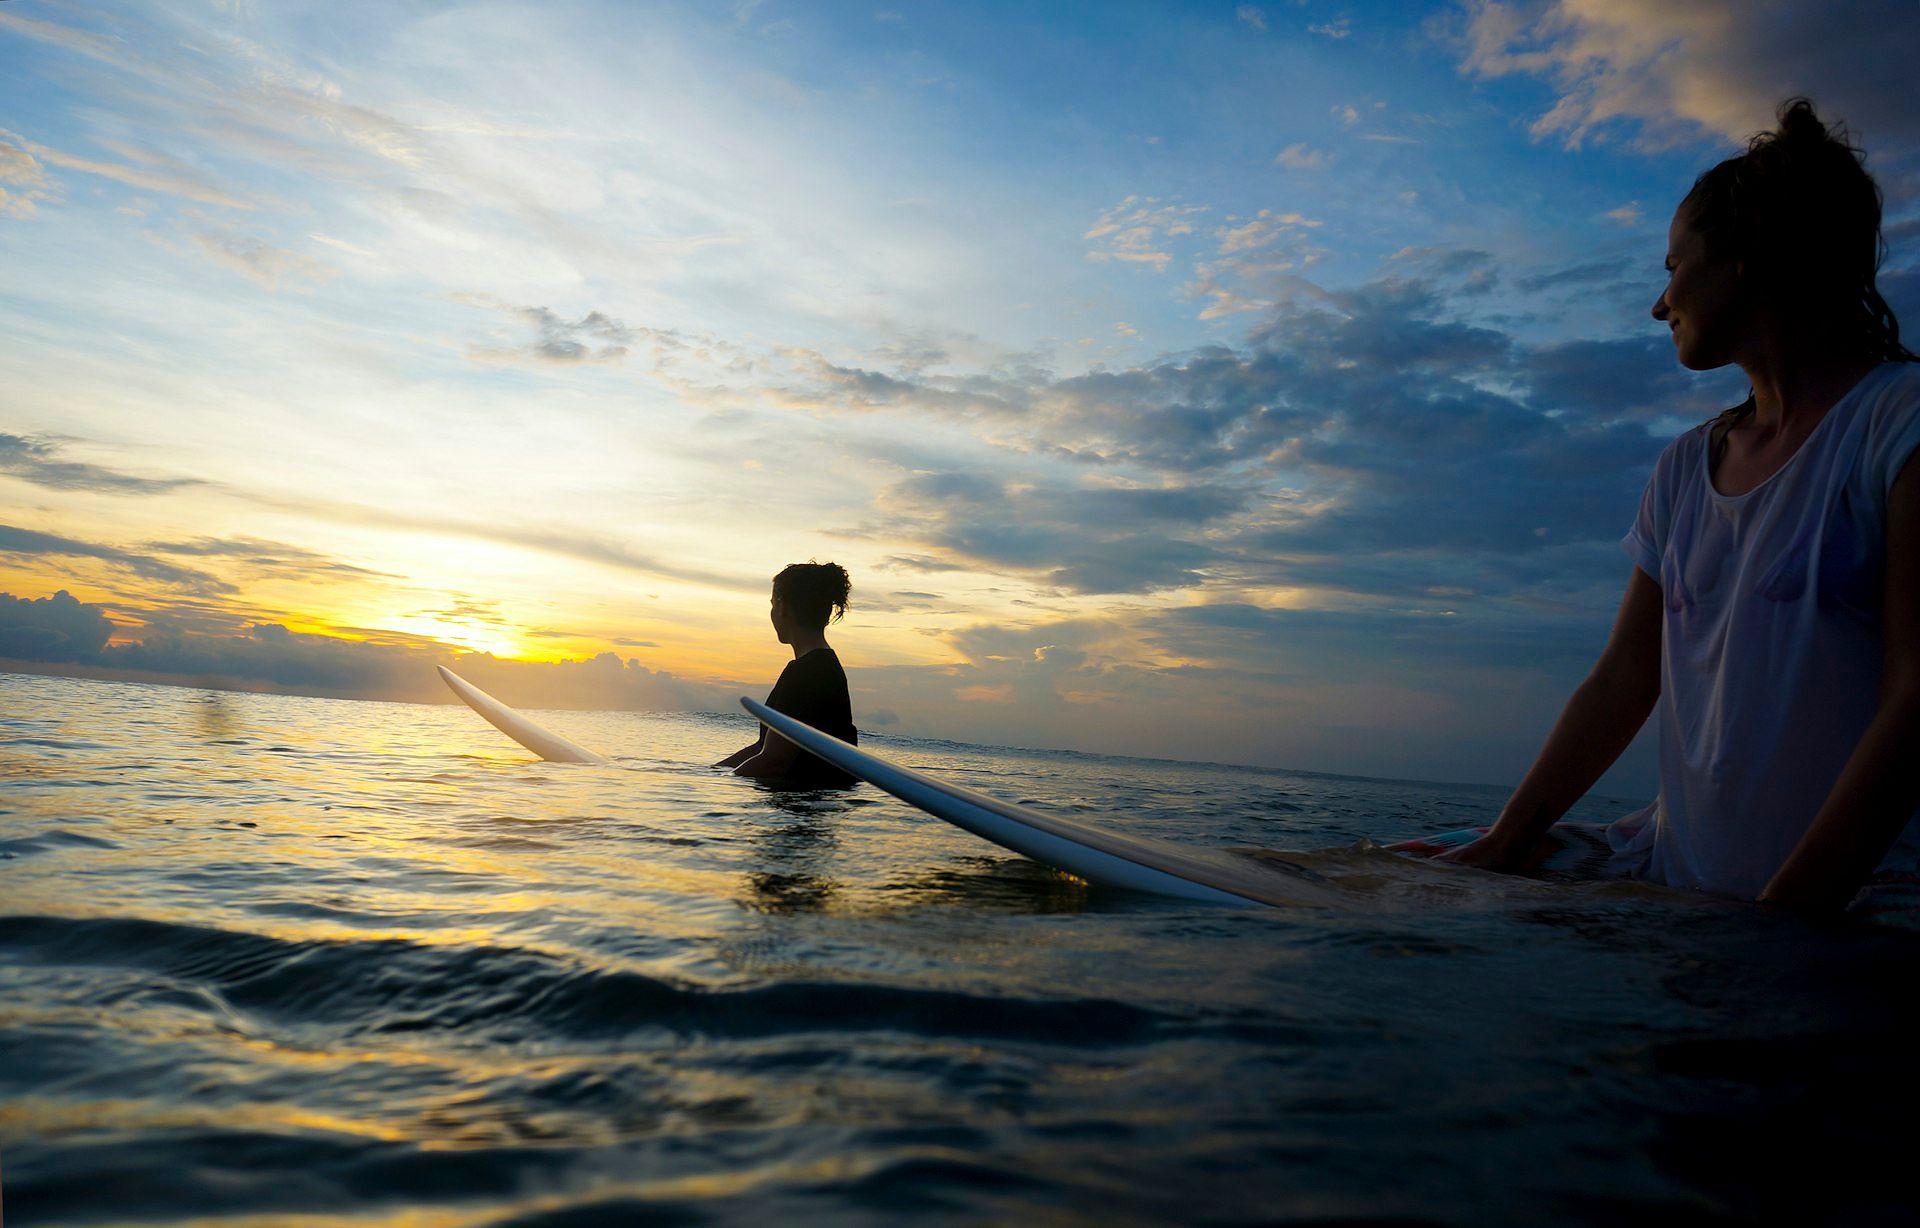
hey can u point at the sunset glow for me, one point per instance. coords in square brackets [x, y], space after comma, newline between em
[1255, 383]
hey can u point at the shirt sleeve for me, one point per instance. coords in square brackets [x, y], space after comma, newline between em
[1895, 432]
[780, 698]
[1646, 541]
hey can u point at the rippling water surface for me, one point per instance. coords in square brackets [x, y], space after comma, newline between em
[282, 960]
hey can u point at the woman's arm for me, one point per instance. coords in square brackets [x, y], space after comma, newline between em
[1606, 711]
[775, 758]
[1879, 789]
[740, 756]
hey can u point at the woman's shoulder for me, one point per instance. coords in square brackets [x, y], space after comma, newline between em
[820, 661]
[1889, 422]
[1681, 456]
[1898, 389]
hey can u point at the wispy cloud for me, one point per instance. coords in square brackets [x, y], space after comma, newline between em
[593, 337]
[21, 541]
[1669, 72]
[258, 259]
[38, 460]
[254, 558]
[1297, 157]
[151, 172]
[24, 182]
[1137, 230]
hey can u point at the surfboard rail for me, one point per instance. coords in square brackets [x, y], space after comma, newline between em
[1139, 863]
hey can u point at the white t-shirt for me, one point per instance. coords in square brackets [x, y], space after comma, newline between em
[1771, 650]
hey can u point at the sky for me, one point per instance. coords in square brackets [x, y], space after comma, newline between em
[1256, 383]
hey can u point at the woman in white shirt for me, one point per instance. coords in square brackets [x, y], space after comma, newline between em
[1773, 612]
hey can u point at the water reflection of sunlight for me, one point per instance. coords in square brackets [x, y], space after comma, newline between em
[793, 850]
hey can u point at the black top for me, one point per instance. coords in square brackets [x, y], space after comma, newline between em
[813, 688]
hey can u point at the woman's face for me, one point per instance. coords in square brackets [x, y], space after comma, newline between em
[1702, 303]
[777, 612]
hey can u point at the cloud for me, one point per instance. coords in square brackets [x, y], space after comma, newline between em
[257, 258]
[592, 338]
[1297, 157]
[920, 563]
[16, 540]
[56, 628]
[1585, 273]
[1251, 16]
[80, 41]
[1470, 270]
[1262, 230]
[1136, 230]
[1626, 378]
[35, 459]
[1079, 537]
[596, 337]
[159, 174]
[1627, 214]
[23, 181]
[1668, 71]
[1342, 28]
[1363, 445]
[256, 558]
[177, 643]
[560, 540]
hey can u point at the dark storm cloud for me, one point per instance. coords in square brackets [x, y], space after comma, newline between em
[36, 460]
[15, 540]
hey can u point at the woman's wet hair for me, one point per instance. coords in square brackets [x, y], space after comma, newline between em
[814, 593]
[1801, 214]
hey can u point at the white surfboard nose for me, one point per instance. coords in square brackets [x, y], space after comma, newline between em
[549, 746]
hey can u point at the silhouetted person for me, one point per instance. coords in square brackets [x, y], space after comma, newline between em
[813, 686]
[1773, 613]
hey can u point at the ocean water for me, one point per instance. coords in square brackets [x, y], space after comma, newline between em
[272, 960]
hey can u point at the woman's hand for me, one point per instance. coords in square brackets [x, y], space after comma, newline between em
[1490, 852]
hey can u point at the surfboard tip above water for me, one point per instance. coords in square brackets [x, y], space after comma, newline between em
[544, 743]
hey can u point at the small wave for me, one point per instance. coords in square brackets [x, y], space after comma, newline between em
[54, 744]
[391, 987]
[50, 841]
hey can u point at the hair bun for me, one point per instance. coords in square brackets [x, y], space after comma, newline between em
[1798, 122]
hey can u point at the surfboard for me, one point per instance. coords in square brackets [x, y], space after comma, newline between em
[1085, 850]
[549, 746]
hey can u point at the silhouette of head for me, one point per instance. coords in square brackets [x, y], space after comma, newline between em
[1798, 216]
[813, 594]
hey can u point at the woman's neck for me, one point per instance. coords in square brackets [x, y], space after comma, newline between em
[1798, 375]
[804, 642]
